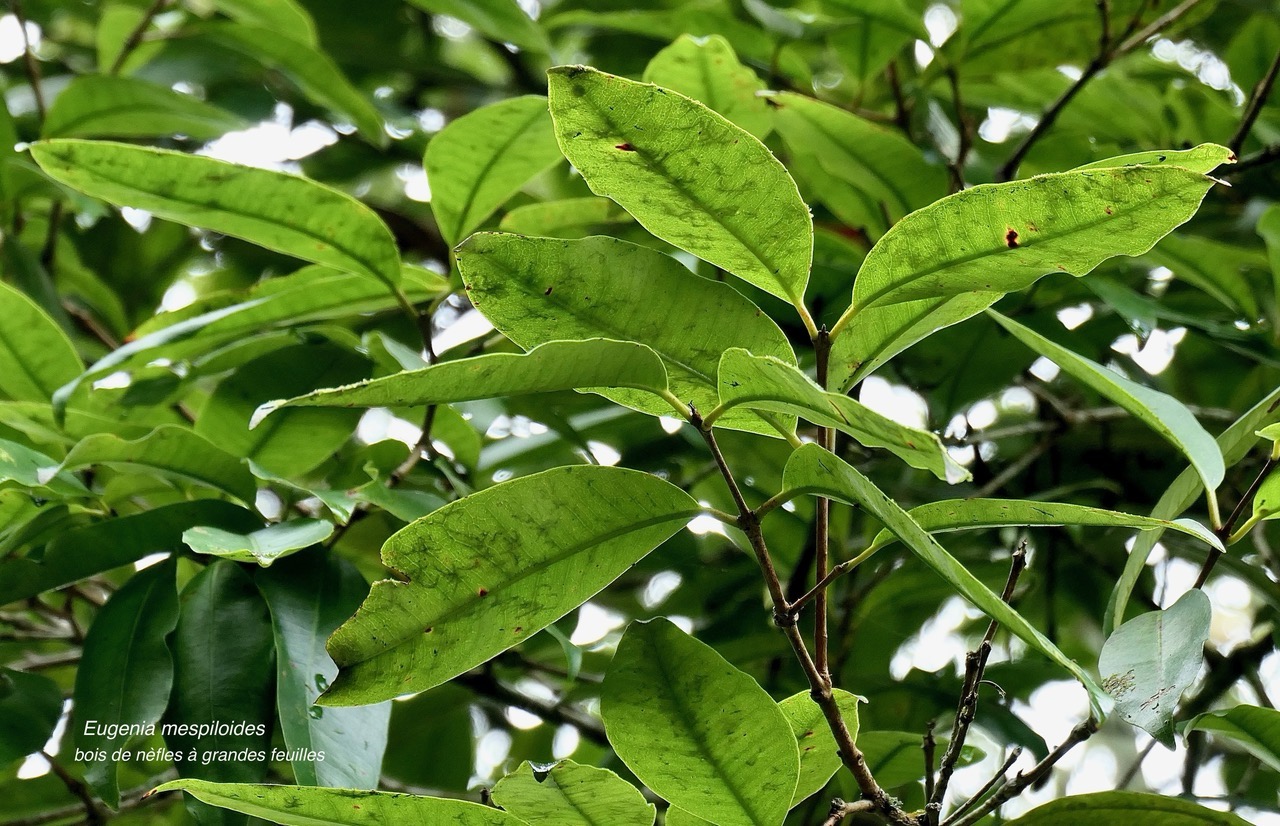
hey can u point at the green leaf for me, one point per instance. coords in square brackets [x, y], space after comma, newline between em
[1220, 269]
[819, 754]
[1266, 502]
[304, 806]
[953, 259]
[567, 218]
[1269, 228]
[29, 468]
[92, 549]
[1125, 809]
[688, 175]
[537, 290]
[811, 469]
[556, 365]
[500, 20]
[1161, 412]
[1203, 159]
[297, 441]
[1256, 729]
[699, 732]
[311, 294]
[873, 159]
[1149, 662]
[971, 514]
[30, 705]
[170, 450]
[263, 546]
[281, 212]
[126, 670]
[766, 383]
[36, 357]
[707, 70]
[223, 673]
[1234, 442]
[570, 794]
[287, 17]
[308, 68]
[483, 158]
[121, 107]
[309, 596]
[488, 571]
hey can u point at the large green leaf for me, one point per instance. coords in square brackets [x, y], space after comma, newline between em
[309, 596]
[304, 806]
[30, 705]
[281, 212]
[488, 571]
[121, 107]
[311, 70]
[707, 70]
[126, 670]
[1256, 729]
[699, 732]
[263, 546]
[171, 451]
[501, 20]
[972, 514]
[953, 259]
[483, 158]
[297, 441]
[812, 469]
[569, 794]
[819, 754]
[688, 175]
[873, 159]
[1161, 412]
[1234, 442]
[1125, 809]
[540, 289]
[101, 546]
[224, 671]
[767, 383]
[556, 365]
[36, 357]
[1149, 662]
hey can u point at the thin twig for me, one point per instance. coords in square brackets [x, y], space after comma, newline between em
[962, 127]
[840, 810]
[928, 747]
[77, 788]
[135, 37]
[1023, 780]
[967, 708]
[487, 686]
[822, 537]
[1254, 107]
[819, 688]
[1228, 527]
[997, 780]
[29, 61]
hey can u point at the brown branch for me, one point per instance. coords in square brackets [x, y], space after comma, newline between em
[489, 687]
[822, 528]
[819, 686]
[967, 708]
[1228, 527]
[1254, 107]
[77, 788]
[840, 810]
[997, 781]
[929, 746]
[135, 37]
[1024, 780]
[29, 61]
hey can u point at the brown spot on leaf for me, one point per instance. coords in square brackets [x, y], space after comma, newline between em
[548, 291]
[1011, 238]
[1108, 211]
[625, 147]
[482, 592]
